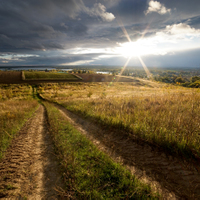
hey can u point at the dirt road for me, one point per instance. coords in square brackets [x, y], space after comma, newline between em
[170, 176]
[30, 168]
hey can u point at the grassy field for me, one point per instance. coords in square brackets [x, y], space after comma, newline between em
[89, 173]
[15, 91]
[160, 114]
[78, 91]
[16, 106]
[163, 115]
[36, 75]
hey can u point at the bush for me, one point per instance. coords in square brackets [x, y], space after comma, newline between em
[195, 78]
[179, 80]
[196, 84]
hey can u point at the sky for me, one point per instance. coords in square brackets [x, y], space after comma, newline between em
[162, 33]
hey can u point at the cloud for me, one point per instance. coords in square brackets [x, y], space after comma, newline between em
[182, 29]
[155, 6]
[99, 10]
[49, 24]
[52, 29]
[176, 37]
[58, 59]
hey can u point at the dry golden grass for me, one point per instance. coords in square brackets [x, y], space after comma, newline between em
[96, 90]
[15, 91]
[165, 115]
[16, 106]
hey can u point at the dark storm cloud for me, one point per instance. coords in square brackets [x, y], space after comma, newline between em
[181, 11]
[46, 27]
[133, 12]
[185, 8]
[130, 11]
[38, 24]
[51, 60]
[194, 21]
[32, 25]
[36, 9]
[188, 58]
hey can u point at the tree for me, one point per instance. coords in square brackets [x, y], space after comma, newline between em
[179, 80]
[195, 78]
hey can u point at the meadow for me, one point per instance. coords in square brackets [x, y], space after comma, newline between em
[87, 172]
[16, 106]
[162, 115]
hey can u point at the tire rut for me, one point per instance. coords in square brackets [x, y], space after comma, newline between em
[30, 168]
[168, 175]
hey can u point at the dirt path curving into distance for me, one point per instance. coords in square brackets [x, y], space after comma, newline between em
[168, 175]
[30, 168]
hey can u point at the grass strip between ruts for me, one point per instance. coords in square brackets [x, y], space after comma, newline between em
[89, 173]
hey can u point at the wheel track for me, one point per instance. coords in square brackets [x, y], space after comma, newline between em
[170, 176]
[29, 169]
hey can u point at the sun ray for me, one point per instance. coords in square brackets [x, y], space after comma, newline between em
[149, 75]
[120, 23]
[145, 31]
[125, 66]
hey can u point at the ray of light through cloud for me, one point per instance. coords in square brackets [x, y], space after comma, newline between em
[131, 50]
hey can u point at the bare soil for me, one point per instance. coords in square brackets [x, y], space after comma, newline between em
[30, 168]
[9, 77]
[172, 177]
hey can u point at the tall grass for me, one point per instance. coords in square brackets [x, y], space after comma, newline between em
[160, 114]
[169, 121]
[15, 91]
[13, 114]
[16, 106]
[77, 91]
[89, 173]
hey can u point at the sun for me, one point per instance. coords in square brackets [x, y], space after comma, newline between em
[130, 49]
[135, 49]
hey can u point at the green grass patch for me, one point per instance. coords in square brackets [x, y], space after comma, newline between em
[36, 75]
[87, 172]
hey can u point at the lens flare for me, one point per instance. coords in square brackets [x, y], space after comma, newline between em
[120, 23]
[149, 75]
